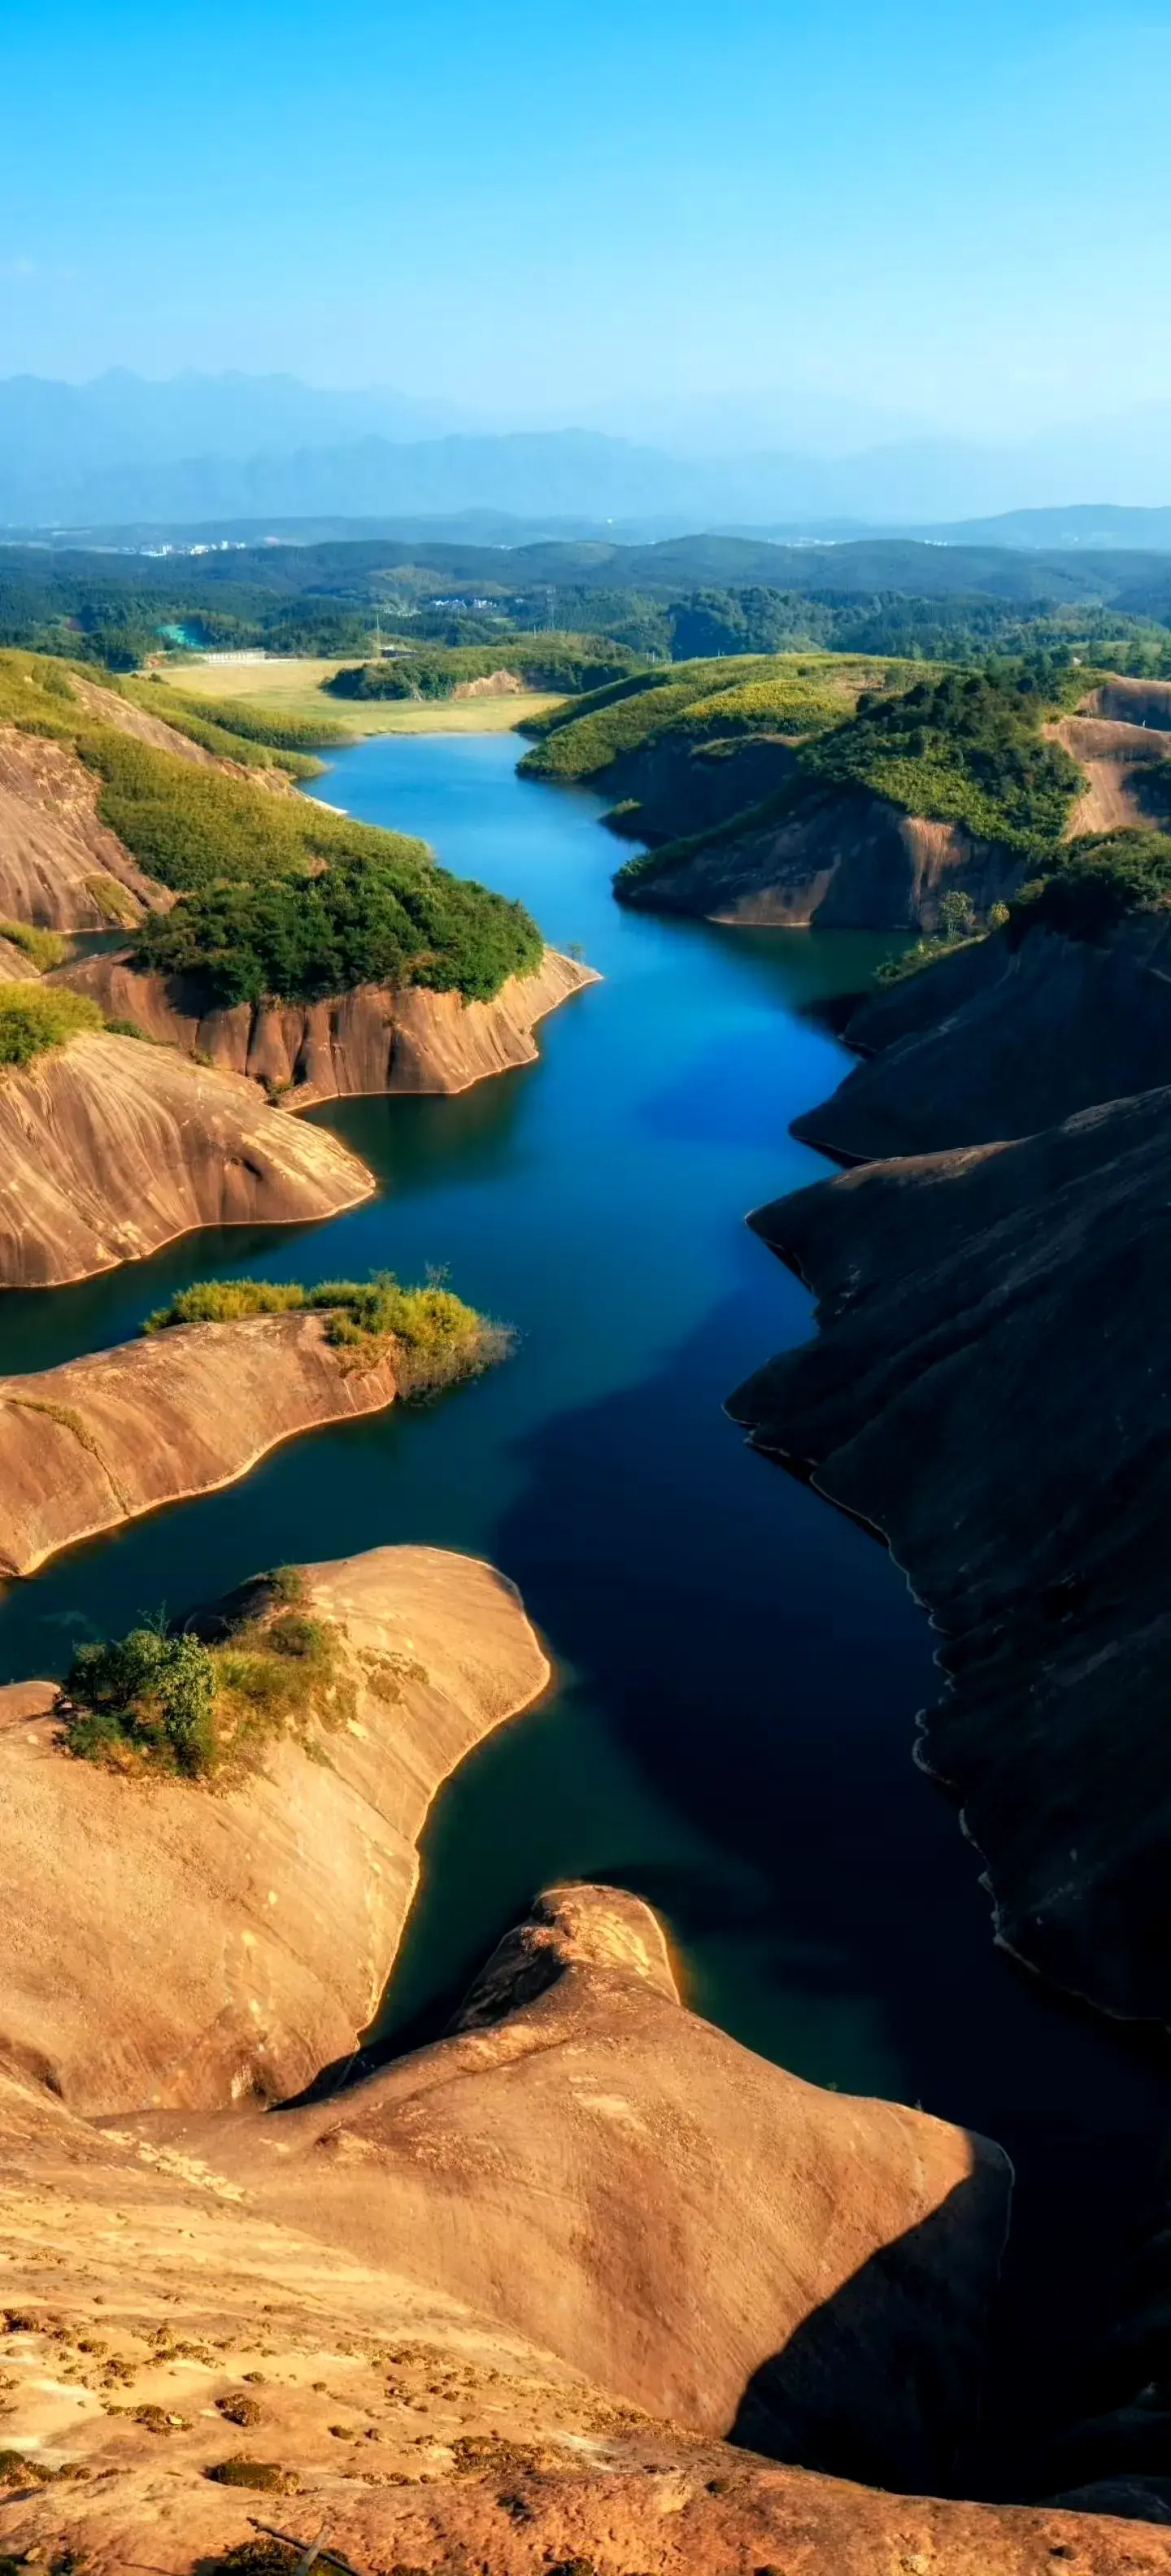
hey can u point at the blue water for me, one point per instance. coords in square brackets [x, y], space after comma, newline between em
[738, 1667]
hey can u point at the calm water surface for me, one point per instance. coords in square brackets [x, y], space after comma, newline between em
[738, 1667]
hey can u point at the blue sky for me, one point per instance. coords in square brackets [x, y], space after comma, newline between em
[590, 211]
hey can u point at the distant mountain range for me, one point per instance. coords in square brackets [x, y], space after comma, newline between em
[218, 449]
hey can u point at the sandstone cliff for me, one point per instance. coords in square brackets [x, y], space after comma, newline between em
[674, 784]
[697, 2232]
[989, 1392]
[844, 862]
[162, 2322]
[59, 866]
[371, 1040]
[994, 1042]
[227, 1945]
[95, 1442]
[109, 1148]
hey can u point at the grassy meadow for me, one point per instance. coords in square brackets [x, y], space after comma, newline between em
[297, 688]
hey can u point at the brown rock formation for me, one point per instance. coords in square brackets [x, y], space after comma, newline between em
[989, 1392]
[845, 862]
[371, 1040]
[996, 1042]
[59, 866]
[691, 2228]
[417, 2434]
[227, 1945]
[109, 1148]
[1127, 769]
[95, 1442]
[678, 785]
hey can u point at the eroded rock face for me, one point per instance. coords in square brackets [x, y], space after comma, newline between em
[60, 868]
[995, 1042]
[164, 1944]
[371, 1040]
[682, 786]
[692, 2229]
[109, 1148]
[989, 1391]
[420, 2435]
[847, 862]
[93, 1443]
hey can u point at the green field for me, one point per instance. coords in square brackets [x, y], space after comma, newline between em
[297, 688]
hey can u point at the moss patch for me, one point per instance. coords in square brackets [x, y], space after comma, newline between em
[36, 1017]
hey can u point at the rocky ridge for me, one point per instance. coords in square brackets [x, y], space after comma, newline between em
[370, 1040]
[110, 1148]
[93, 1443]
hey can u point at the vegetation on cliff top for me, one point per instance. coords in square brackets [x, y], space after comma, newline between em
[287, 898]
[962, 746]
[431, 1337]
[35, 1017]
[365, 920]
[1101, 879]
[43, 948]
[160, 1702]
[770, 694]
[566, 662]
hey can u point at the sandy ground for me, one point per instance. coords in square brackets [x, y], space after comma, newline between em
[296, 688]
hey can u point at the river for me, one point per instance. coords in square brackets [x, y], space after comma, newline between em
[738, 1667]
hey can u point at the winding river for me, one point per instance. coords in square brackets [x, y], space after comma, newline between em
[738, 1666]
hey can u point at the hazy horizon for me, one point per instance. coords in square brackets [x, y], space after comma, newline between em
[827, 237]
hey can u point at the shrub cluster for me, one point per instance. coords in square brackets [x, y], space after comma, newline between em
[43, 948]
[701, 701]
[433, 1337]
[368, 920]
[566, 662]
[965, 748]
[1103, 877]
[165, 1701]
[34, 1017]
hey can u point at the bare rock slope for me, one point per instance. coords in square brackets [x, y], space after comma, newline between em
[232, 1944]
[989, 1391]
[846, 862]
[163, 2322]
[93, 1443]
[371, 1040]
[60, 867]
[697, 2232]
[997, 1042]
[109, 1148]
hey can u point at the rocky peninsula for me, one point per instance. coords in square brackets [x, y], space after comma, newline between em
[109, 1148]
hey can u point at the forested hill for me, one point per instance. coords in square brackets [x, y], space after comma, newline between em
[671, 601]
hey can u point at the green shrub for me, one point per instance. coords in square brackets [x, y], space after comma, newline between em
[433, 1338]
[45, 948]
[700, 701]
[564, 662]
[241, 2472]
[965, 748]
[1104, 877]
[386, 921]
[264, 725]
[34, 1017]
[148, 1695]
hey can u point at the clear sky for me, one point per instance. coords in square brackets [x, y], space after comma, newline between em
[562, 208]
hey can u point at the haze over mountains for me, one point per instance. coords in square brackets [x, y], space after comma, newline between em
[199, 449]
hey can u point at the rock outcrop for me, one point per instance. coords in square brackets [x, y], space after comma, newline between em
[185, 2326]
[95, 1442]
[1126, 770]
[109, 1148]
[997, 1042]
[164, 1944]
[989, 1391]
[371, 1040]
[60, 867]
[843, 862]
[695, 2231]
[673, 784]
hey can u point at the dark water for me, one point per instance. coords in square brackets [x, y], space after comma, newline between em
[739, 1667]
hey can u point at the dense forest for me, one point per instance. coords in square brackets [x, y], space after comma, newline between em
[685, 597]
